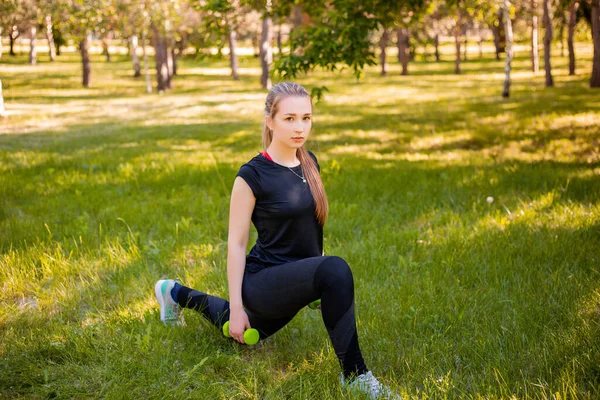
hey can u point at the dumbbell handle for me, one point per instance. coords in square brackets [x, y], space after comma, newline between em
[251, 336]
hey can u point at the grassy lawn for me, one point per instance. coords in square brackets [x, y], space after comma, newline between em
[105, 190]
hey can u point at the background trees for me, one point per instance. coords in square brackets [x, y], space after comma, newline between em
[308, 35]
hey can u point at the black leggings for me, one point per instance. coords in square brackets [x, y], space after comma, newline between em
[274, 295]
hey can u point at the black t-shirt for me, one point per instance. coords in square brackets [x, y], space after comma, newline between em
[284, 214]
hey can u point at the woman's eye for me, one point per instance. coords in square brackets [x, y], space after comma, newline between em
[307, 118]
[289, 119]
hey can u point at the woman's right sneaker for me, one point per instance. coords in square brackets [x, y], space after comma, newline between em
[170, 312]
[367, 384]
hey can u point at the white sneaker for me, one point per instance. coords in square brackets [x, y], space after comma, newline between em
[367, 383]
[170, 313]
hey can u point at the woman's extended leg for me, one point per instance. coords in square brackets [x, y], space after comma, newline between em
[216, 310]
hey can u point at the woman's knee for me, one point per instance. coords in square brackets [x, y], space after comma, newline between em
[334, 271]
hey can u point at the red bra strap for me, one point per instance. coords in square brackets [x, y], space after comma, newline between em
[268, 157]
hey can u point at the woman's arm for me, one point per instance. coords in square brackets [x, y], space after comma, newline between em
[240, 213]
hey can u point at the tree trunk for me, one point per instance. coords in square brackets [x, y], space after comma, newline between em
[457, 40]
[572, 22]
[496, 32]
[296, 18]
[480, 46]
[279, 38]
[58, 39]
[436, 43]
[401, 37]
[1, 49]
[548, 43]
[383, 42]
[465, 49]
[509, 43]
[13, 35]
[412, 50]
[50, 37]
[595, 78]
[160, 60]
[233, 58]
[535, 55]
[561, 34]
[174, 61]
[85, 60]
[32, 52]
[266, 53]
[2, 110]
[133, 41]
[256, 44]
[105, 46]
[167, 56]
[145, 55]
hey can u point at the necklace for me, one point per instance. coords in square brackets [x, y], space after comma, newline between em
[269, 157]
[301, 177]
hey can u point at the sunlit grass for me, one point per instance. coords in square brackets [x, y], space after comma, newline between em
[105, 190]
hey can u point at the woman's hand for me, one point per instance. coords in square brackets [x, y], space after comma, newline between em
[238, 323]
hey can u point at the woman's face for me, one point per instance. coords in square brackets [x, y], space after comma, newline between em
[293, 120]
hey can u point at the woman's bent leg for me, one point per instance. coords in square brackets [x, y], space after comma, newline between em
[284, 289]
[336, 285]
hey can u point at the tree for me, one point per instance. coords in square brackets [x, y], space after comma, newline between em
[457, 38]
[223, 18]
[11, 19]
[84, 17]
[266, 52]
[406, 16]
[573, 7]
[2, 110]
[509, 42]
[383, 43]
[535, 57]
[32, 42]
[30, 15]
[499, 34]
[50, 37]
[8, 9]
[51, 13]
[402, 44]
[476, 14]
[548, 43]
[21, 16]
[161, 58]
[437, 22]
[337, 35]
[132, 21]
[164, 19]
[595, 78]
[133, 48]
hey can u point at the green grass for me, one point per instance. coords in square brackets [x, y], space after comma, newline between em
[105, 190]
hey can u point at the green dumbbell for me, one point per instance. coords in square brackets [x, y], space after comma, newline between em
[251, 335]
[314, 304]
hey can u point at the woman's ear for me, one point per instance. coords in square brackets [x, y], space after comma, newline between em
[269, 122]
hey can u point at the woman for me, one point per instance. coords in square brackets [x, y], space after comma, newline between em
[281, 192]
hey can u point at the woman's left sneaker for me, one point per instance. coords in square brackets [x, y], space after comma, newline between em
[367, 384]
[170, 312]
